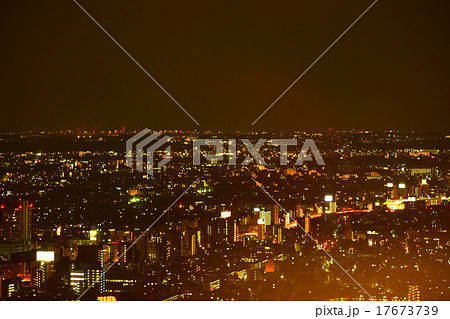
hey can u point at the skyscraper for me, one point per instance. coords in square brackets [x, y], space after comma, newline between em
[307, 224]
[15, 228]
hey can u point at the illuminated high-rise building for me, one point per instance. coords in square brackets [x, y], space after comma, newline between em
[332, 207]
[280, 235]
[89, 260]
[25, 219]
[266, 217]
[189, 243]
[287, 219]
[95, 278]
[44, 267]
[307, 224]
[275, 214]
[413, 293]
[76, 280]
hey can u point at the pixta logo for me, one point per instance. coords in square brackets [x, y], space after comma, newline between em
[143, 142]
[146, 143]
[253, 150]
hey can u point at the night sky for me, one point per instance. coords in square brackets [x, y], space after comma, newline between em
[225, 62]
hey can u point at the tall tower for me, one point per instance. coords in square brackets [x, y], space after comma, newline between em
[25, 219]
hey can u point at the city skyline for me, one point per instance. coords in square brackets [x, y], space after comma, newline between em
[78, 223]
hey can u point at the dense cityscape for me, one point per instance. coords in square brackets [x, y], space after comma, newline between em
[74, 219]
[245, 158]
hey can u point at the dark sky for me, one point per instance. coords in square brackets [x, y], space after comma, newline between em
[225, 62]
